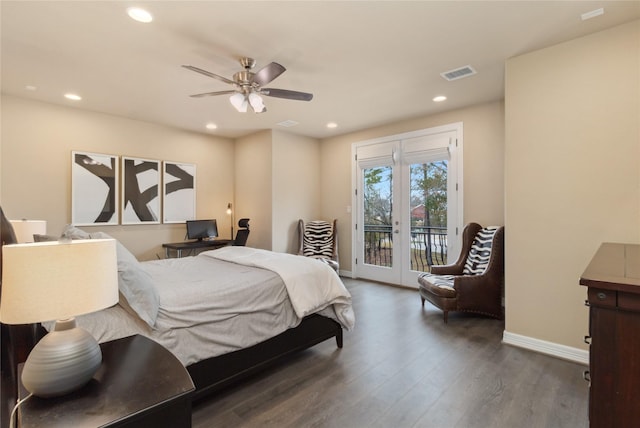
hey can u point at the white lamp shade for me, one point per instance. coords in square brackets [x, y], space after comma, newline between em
[256, 102]
[25, 229]
[54, 280]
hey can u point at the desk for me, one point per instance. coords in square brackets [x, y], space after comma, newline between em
[139, 384]
[178, 247]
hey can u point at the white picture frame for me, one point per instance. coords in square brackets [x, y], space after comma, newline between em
[141, 200]
[94, 189]
[179, 192]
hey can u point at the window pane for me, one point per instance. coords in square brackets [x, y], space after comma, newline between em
[378, 212]
[428, 205]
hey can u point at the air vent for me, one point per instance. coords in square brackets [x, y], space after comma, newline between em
[288, 123]
[458, 73]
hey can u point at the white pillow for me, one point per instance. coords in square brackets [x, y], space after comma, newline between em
[134, 284]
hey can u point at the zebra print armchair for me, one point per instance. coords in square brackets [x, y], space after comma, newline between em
[474, 283]
[319, 239]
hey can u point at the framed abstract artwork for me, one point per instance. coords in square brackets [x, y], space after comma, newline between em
[94, 189]
[179, 198]
[140, 191]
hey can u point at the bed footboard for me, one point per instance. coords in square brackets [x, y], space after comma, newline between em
[214, 374]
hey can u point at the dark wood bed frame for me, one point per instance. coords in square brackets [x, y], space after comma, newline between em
[209, 376]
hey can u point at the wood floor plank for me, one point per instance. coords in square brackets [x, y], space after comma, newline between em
[402, 366]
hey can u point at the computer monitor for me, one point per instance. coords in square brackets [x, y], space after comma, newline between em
[201, 229]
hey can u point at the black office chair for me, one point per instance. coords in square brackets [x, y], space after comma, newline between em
[243, 233]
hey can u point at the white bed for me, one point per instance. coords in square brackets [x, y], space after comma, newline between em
[218, 302]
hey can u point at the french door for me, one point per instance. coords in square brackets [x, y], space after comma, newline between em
[408, 204]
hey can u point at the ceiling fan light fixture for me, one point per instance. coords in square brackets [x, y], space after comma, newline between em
[256, 102]
[239, 101]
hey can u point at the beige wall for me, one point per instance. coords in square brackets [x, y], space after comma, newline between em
[37, 140]
[277, 182]
[483, 154]
[296, 187]
[572, 175]
[253, 186]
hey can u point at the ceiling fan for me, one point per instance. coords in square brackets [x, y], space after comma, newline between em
[248, 86]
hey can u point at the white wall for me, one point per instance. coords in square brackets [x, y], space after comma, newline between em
[572, 175]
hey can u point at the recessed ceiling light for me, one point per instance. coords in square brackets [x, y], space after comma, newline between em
[139, 15]
[332, 125]
[73, 97]
[211, 126]
[439, 98]
[592, 14]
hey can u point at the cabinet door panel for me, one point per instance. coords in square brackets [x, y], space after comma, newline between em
[602, 360]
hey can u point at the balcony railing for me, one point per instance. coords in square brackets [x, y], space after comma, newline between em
[428, 246]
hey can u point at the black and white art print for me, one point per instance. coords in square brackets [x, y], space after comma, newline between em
[179, 181]
[140, 191]
[94, 189]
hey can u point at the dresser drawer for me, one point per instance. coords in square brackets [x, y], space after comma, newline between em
[629, 301]
[600, 297]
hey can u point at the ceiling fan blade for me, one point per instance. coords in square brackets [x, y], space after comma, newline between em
[284, 93]
[208, 74]
[267, 73]
[208, 94]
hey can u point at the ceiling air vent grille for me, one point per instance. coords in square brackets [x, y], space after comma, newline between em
[288, 123]
[458, 73]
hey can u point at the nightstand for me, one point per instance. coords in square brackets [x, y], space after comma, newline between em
[140, 384]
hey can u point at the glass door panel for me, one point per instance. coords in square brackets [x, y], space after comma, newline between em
[428, 214]
[378, 215]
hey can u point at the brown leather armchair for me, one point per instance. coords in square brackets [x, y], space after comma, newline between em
[474, 283]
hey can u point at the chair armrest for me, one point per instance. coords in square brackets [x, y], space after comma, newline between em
[479, 293]
[469, 283]
[452, 269]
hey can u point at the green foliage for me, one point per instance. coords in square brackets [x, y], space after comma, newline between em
[378, 194]
[429, 189]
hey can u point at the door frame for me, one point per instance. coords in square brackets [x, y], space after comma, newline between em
[456, 150]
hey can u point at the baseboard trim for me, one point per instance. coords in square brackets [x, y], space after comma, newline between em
[549, 348]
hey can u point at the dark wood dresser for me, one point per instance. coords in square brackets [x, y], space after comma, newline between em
[613, 289]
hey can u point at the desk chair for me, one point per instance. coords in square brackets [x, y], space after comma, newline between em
[243, 233]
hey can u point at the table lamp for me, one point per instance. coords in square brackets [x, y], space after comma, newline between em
[230, 212]
[57, 281]
[25, 229]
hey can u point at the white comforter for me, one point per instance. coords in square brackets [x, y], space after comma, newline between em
[312, 285]
[210, 306]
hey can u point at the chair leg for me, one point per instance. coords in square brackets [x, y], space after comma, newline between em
[446, 317]
[422, 298]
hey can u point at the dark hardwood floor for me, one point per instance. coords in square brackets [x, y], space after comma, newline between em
[402, 366]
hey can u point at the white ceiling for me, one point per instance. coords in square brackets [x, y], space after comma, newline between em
[367, 63]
